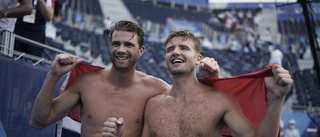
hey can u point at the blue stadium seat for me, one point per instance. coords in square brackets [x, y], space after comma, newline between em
[84, 46]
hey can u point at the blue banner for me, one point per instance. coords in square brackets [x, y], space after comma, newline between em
[20, 83]
[193, 27]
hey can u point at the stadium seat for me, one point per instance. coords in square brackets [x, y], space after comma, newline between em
[84, 46]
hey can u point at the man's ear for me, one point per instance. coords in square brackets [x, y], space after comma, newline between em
[141, 50]
[199, 58]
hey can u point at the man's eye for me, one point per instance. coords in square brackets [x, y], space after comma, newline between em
[129, 44]
[169, 49]
[115, 44]
[184, 48]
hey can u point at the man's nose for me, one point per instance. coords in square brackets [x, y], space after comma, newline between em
[176, 52]
[121, 48]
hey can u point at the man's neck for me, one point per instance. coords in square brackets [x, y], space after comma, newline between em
[121, 77]
[184, 84]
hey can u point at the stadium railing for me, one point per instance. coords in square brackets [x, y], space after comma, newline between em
[7, 48]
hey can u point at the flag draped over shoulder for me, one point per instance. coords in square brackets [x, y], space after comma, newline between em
[249, 89]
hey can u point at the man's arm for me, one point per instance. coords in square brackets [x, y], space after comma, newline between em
[145, 131]
[25, 8]
[46, 110]
[209, 68]
[238, 124]
[278, 86]
[46, 11]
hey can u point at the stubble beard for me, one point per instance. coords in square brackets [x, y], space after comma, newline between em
[180, 71]
[124, 66]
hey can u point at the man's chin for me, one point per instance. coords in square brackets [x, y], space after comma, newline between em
[122, 66]
[177, 72]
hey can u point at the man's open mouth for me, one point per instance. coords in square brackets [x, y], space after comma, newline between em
[122, 58]
[174, 61]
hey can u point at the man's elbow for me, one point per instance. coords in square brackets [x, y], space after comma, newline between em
[36, 124]
[28, 12]
[28, 9]
[50, 15]
[49, 18]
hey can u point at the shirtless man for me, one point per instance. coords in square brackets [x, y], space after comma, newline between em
[119, 91]
[192, 109]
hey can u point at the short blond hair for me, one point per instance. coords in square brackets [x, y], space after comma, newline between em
[185, 34]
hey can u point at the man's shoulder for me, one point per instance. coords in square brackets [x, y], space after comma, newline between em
[149, 79]
[212, 90]
[161, 98]
[215, 94]
[150, 85]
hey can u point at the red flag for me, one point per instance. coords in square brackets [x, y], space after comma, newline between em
[249, 90]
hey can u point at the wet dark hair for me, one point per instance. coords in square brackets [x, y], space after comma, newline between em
[129, 26]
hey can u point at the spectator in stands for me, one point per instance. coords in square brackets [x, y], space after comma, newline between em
[228, 23]
[234, 45]
[258, 44]
[107, 25]
[250, 45]
[249, 14]
[191, 108]
[215, 22]
[56, 13]
[290, 42]
[276, 56]
[161, 37]
[147, 36]
[205, 43]
[260, 7]
[240, 15]
[10, 10]
[290, 25]
[256, 22]
[247, 28]
[268, 37]
[301, 50]
[292, 131]
[117, 91]
[238, 29]
[33, 27]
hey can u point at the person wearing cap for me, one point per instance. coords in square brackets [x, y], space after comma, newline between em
[291, 131]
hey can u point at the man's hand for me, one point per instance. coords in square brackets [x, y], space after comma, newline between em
[113, 127]
[209, 68]
[63, 63]
[280, 84]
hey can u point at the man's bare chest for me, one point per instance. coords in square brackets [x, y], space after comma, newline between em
[101, 103]
[188, 119]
